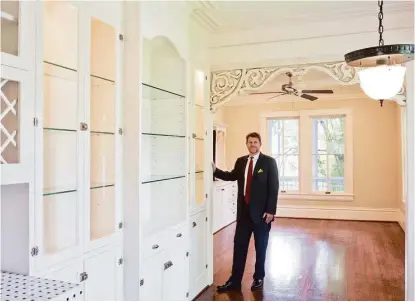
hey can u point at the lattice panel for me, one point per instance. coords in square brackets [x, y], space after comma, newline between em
[9, 122]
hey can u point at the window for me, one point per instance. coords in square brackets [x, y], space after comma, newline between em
[328, 154]
[283, 135]
[314, 152]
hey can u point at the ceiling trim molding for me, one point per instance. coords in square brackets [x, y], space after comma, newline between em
[226, 84]
[199, 13]
[207, 11]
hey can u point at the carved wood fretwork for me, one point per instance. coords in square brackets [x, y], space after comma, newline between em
[229, 83]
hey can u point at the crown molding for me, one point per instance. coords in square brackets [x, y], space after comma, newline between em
[200, 13]
[204, 12]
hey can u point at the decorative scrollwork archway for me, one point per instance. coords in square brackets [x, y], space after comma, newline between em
[226, 84]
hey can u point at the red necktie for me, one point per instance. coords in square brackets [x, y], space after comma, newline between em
[249, 181]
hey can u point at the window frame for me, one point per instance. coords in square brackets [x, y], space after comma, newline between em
[305, 152]
[268, 135]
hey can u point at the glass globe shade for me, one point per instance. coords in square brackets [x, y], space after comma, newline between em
[382, 82]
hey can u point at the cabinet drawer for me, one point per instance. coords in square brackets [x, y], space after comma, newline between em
[154, 244]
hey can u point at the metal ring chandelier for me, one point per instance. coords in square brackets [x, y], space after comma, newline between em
[384, 76]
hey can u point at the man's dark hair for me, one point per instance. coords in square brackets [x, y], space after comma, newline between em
[253, 135]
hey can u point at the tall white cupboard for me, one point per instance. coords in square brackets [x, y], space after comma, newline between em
[61, 141]
[66, 176]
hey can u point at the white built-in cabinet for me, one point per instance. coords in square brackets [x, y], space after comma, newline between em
[172, 205]
[17, 90]
[163, 209]
[61, 141]
[62, 156]
[224, 202]
[225, 194]
[198, 193]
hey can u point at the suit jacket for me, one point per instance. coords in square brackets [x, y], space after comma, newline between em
[264, 186]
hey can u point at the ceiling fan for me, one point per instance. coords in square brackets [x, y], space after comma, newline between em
[288, 89]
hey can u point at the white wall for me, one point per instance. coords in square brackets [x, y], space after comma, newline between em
[166, 18]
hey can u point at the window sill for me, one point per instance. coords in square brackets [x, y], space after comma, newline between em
[316, 197]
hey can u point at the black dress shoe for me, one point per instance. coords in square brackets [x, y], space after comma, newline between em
[257, 284]
[229, 285]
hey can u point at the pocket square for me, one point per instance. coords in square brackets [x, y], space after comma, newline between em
[260, 171]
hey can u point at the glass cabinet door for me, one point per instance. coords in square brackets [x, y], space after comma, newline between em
[103, 208]
[61, 207]
[17, 33]
[199, 146]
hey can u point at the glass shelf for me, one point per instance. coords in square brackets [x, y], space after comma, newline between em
[103, 132]
[102, 78]
[60, 89]
[59, 65]
[56, 191]
[196, 172]
[100, 186]
[163, 134]
[163, 155]
[153, 92]
[165, 200]
[163, 112]
[58, 129]
[157, 178]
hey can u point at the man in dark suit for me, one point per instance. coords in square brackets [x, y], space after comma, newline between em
[258, 186]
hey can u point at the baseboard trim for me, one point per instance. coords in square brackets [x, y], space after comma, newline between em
[401, 219]
[339, 213]
[224, 227]
[201, 292]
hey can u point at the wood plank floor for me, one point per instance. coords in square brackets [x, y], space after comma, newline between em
[319, 260]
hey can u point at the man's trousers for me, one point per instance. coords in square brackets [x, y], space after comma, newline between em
[244, 229]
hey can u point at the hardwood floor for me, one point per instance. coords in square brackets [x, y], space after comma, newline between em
[319, 260]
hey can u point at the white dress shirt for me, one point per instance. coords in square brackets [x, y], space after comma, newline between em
[254, 160]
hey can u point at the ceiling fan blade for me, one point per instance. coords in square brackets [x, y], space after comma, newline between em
[308, 97]
[317, 91]
[266, 92]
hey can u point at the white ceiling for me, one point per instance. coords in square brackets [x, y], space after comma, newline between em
[223, 16]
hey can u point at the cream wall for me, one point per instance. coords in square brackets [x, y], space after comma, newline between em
[376, 135]
[219, 117]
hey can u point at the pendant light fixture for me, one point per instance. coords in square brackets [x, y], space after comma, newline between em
[382, 75]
